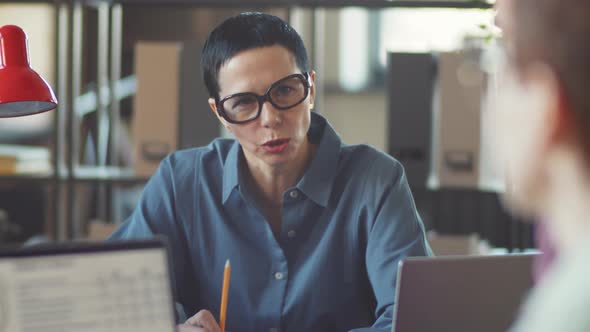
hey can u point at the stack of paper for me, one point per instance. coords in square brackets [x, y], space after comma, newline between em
[24, 159]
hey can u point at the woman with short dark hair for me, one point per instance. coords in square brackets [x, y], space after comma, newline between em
[314, 228]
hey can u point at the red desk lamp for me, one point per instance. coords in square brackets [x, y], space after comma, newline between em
[22, 90]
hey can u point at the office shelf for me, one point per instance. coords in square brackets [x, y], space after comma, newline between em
[71, 25]
[115, 175]
[466, 4]
[31, 1]
[28, 177]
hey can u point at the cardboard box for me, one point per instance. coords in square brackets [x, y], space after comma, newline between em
[457, 121]
[100, 231]
[457, 245]
[170, 107]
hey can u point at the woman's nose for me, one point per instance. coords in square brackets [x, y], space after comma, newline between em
[270, 116]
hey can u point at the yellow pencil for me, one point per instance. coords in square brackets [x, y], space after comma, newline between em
[224, 293]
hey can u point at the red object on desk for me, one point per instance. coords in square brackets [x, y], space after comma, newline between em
[22, 90]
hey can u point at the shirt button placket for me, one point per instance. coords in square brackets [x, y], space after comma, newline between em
[280, 276]
[294, 194]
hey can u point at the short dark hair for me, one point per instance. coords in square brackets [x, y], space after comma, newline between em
[247, 31]
[556, 32]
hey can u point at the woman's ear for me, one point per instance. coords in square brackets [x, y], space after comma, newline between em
[556, 109]
[312, 89]
[213, 106]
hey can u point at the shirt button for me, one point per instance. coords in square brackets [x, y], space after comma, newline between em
[294, 194]
[291, 234]
[279, 276]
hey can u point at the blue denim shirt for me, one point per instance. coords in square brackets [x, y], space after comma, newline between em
[345, 226]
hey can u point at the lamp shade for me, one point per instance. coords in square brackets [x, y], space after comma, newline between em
[22, 90]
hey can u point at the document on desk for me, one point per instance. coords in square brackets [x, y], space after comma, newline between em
[126, 291]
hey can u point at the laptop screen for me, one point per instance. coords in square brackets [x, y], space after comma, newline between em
[461, 293]
[100, 287]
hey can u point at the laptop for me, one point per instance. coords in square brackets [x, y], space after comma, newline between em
[461, 293]
[91, 287]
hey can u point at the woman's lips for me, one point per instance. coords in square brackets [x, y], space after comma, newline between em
[276, 145]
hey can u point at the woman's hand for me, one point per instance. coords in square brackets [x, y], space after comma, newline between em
[202, 321]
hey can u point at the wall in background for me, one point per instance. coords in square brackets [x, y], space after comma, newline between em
[359, 118]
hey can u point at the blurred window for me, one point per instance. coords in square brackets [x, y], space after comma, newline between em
[367, 35]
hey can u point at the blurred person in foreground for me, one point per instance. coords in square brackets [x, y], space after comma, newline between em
[543, 240]
[542, 116]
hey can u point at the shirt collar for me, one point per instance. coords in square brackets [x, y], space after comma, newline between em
[319, 177]
[230, 171]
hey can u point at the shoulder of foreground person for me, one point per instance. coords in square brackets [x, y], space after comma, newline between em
[560, 301]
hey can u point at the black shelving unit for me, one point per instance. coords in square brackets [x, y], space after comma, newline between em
[70, 42]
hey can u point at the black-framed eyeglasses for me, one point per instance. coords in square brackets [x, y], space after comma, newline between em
[283, 94]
